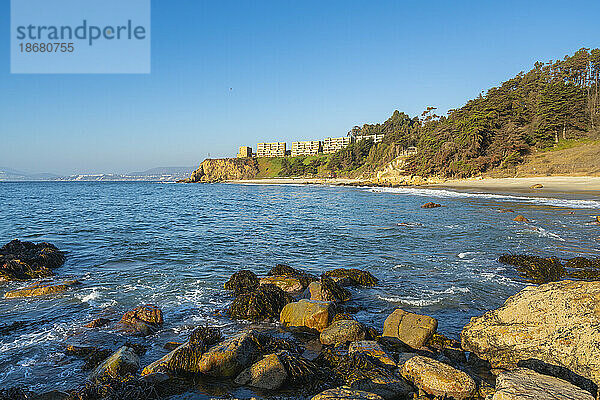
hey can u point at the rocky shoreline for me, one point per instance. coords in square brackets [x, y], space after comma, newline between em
[304, 342]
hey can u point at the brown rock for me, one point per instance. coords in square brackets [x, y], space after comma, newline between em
[327, 289]
[346, 393]
[26, 260]
[412, 329]
[438, 379]
[183, 359]
[431, 205]
[343, 331]
[556, 323]
[143, 319]
[268, 373]
[98, 323]
[123, 361]
[307, 314]
[171, 345]
[524, 384]
[285, 283]
[40, 289]
[227, 359]
[520, 218]
[372, 349]
[536, 186]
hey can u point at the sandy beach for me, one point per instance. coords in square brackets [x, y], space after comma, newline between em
[550, 183]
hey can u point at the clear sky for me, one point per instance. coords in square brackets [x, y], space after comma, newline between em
[231, 73]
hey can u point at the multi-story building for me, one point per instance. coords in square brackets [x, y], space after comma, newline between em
[307, 148]
[244, 152]
[274, 149]
[376, 138]
[331, 145]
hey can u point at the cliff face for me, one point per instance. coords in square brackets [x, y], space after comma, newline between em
[224, 169]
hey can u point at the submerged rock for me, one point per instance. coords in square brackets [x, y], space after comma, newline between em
[346, 393]
[524, 384]
[265, 302]
[27, 260]
[535, 269]
[40, 289]
[307, 314]
[343, 331]
[438, 379]
[555, 325]
[268, 373]
[124, 361]
[93, 356]
[520, 218]
[98, 323]
[285, 283]
[227, 359]
[431, 205]
[412, 329]
[355, 276]
[144, 319]
[243, 281]
[328, 290]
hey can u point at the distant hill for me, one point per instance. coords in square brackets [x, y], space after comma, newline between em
[183, 171]
[154, 174]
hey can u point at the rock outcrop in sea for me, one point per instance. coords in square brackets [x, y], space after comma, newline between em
[224, 169]
[21, 261]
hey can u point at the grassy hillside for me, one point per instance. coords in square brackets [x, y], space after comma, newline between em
[570, 158]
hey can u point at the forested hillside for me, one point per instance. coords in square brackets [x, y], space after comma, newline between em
[555, 101]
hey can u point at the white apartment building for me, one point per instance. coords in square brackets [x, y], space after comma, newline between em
[377, 138]
[331, 145]
[274, 149]
[306, 148]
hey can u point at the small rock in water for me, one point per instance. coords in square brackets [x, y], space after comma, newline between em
[268, 373]
[438, 379]
[412, 329]
[308, 314]
[144, 319]
[535, 269]
[124, 361]
[520, 218]
[346, 393]
[328, 290]
[355, 276]
[40, 289]
[285, 283]
[343, 331]
[431, 205]
[524, 384]
[285, 270]
[171, 345]
[536, 186]
[98, 323]
[93, 356]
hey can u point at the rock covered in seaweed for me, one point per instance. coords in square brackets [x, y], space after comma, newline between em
[285, 270]
[268, 373]
[327, 289]
[354, 276]
[27, 260]
[243, 281]
[346, 393]
[228, 358]
[556, 325]
[373, 350]
[431, 204]
[343, 331]
[438, 379]
[40, 289]
[144, 319]
[286, 283]
[124, 361]
[535, 269]
[264, 303]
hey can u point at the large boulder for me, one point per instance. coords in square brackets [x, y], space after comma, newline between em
[379, 381]
[327, 289]
[413, 329]
[525, 384]
[308, 314]
[346, 393]
[124, 361]
[243, 281]
[372, 349]
[265, 302]
[144, 319]
[227, 359]
[268, 373]
[535, 269]
[438, 379]
[555, 326]
[354, 276]
[343, 331]
[27, 260]
[288, 284]
[40, 289]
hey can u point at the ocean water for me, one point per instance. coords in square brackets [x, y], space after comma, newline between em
[175, 245]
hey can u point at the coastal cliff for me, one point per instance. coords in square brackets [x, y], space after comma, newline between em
[223, 169]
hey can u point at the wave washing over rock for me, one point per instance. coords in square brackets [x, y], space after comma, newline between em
[374, 312]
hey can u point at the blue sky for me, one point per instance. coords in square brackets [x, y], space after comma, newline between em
[297, 70]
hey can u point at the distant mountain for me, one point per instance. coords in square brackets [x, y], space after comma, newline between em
[164, 171]
[9, 174]
[167, 174]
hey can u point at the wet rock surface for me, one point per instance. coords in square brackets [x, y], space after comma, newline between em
[144, 319]
[227, 359]
[243, 281]
[327, 289]
[124, 361]
[268, 373]
[263, 303]
[27, 260]
[346, 393]
[308, 315]
[356, 277]
[343, 331]
[40, 289]
[431, 205]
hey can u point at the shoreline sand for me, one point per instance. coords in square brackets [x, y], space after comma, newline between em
[565, 184]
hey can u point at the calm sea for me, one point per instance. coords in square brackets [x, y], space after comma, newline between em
[174, 245]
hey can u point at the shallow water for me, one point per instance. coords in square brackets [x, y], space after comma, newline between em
[174, 245]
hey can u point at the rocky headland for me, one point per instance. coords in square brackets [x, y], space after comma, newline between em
[305, 342]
